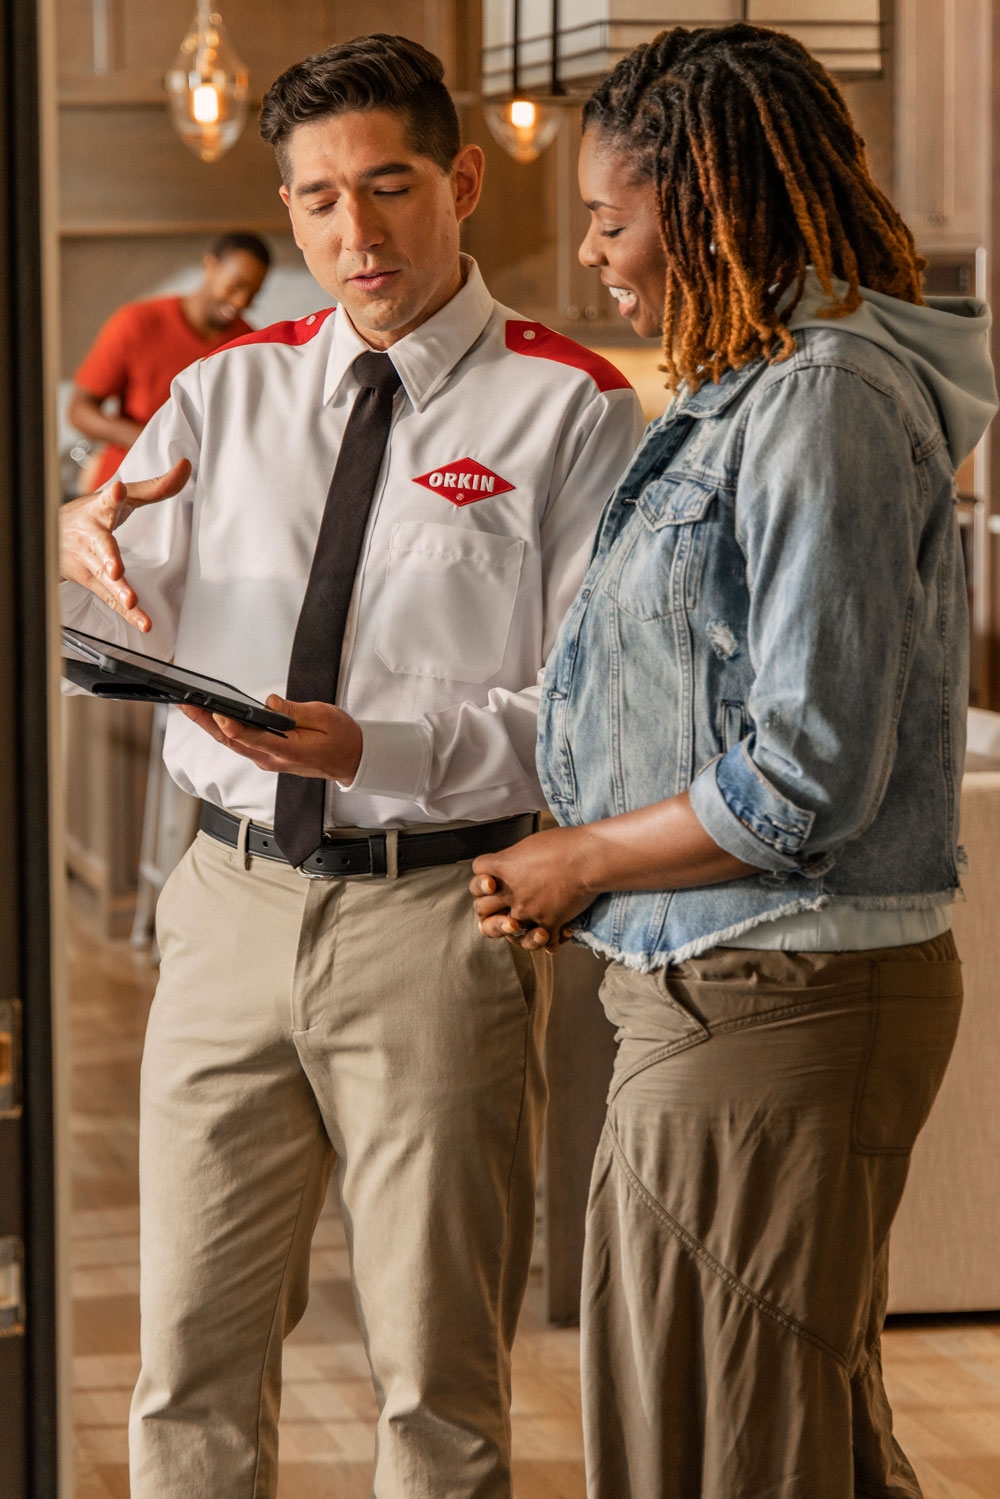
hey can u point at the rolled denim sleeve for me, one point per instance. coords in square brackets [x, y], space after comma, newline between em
[747, 816]
[829, 513]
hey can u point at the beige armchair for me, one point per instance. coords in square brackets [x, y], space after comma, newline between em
[945, 1247]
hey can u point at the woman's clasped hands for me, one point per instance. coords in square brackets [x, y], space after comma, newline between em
[530, 892]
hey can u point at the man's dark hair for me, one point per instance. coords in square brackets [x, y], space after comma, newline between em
[239, 239]
[372, 72]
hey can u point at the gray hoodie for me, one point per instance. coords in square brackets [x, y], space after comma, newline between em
[944, 345]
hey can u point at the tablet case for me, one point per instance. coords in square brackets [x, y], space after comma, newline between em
[150, 682]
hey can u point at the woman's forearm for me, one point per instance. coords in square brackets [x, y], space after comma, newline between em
[660, 847]
[533, 889]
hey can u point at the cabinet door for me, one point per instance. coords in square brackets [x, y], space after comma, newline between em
[943, 125]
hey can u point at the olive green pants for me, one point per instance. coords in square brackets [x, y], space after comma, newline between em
[760, 1121]
[298, 1022]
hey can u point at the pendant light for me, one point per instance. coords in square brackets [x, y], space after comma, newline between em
[207, 88]
[524, 127]
[522, 124]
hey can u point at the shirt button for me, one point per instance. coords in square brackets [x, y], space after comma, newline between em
[529, 332]
[310, 319]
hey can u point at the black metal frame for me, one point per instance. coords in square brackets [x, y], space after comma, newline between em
[556, 89]
[494, 60]
[28, 1403]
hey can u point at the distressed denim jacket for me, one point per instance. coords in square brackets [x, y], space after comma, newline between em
[775, 617]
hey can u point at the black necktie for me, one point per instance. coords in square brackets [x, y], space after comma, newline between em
[319, 634]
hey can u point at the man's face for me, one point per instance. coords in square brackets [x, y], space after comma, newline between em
[230, 286]
[377, 222]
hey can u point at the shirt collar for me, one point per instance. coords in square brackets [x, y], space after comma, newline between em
[711, 398]
[426, 357]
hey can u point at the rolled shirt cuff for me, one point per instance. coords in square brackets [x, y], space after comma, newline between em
[395, 760]
[747, 817]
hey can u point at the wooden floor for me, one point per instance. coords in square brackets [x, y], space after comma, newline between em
[943, 1376]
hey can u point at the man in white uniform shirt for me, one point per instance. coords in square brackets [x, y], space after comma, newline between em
[355, 1016]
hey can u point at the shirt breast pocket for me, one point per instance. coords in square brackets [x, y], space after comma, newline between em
[660, 570]
[448, 601]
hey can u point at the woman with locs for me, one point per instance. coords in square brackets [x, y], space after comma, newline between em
[752, 735]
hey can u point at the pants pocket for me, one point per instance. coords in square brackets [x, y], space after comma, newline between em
[526, 966]
[166, 900]
[914, 1016]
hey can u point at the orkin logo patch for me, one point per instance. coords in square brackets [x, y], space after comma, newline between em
[463, 481]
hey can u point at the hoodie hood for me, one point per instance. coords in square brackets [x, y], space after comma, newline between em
[944, 345]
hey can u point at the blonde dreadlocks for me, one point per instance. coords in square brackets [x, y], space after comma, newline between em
[759, 174]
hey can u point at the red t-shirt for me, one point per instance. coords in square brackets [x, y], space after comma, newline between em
[135, 356]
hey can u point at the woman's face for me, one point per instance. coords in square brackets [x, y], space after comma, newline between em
[623, 241]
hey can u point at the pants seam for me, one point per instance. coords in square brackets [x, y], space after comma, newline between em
[684, 1043]
[274, 1316]
[505, 1410]
[785, 1012]
[705, 1032]
[698, 1251]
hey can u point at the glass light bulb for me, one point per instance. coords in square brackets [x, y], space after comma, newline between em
[524, 127]
[205, 104]
[207, 88]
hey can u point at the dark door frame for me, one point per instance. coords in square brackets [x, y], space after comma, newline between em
[28, 1360]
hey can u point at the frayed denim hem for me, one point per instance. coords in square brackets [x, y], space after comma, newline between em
[642, 962]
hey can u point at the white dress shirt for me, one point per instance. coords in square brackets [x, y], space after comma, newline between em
[506, 441]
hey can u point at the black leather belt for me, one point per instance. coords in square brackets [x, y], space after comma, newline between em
[337, 857]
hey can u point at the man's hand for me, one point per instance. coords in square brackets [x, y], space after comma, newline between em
[88, 552]
[531, 891]
[325, 742]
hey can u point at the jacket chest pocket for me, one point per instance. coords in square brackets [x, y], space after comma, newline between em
[448, 601]
[662, 552]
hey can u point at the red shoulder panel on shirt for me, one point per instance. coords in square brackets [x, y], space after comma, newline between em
[535, 339]
[295, 331]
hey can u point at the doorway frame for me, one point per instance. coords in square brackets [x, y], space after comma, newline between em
[35, 1429]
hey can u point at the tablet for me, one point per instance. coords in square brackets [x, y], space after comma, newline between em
[108, 670]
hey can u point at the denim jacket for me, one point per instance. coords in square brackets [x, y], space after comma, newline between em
[775, 617]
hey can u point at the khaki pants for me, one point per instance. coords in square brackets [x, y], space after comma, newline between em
[298, 1022]
[760, 1121]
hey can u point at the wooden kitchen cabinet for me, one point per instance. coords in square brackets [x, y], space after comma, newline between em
[944, 121]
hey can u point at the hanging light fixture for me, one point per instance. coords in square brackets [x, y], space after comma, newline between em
[207, 88]
[524, 127]
[524, 124]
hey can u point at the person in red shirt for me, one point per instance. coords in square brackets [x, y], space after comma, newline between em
[145, 344]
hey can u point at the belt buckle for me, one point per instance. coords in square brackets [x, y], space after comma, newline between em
[377, 850]
[381, 858]
[383, 851]
[327, 846]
